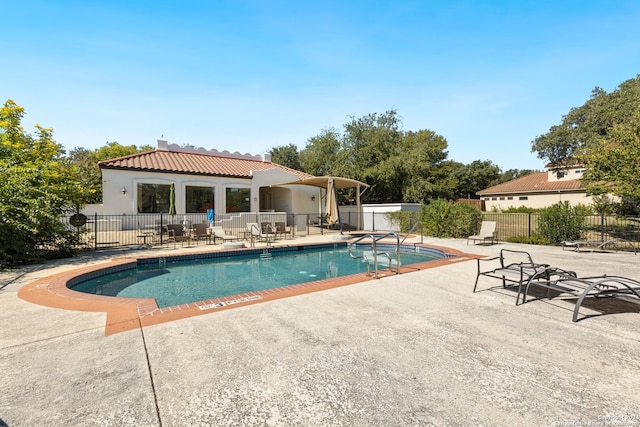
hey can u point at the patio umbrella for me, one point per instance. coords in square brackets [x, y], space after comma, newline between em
[331, 208]
[172, 200]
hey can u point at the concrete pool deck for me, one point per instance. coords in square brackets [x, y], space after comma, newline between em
[414, 349]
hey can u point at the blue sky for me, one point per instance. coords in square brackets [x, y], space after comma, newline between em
[246, 76]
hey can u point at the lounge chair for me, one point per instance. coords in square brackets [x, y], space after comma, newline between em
[568, 283]
[219, 233]
[487, 233]
[512, 268]
[595, 245]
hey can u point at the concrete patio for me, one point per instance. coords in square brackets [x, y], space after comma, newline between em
[415, 349]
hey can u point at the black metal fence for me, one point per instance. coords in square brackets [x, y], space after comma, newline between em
[101, 231]
[625, 231]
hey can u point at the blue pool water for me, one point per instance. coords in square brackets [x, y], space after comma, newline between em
[181, 282]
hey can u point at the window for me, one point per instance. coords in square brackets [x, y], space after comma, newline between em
[501, 198]
[578, 171]
[153, 198]
[494, 198]
[523, 198]
[560, 174]
[509, 198]
[238, 199]
[199, 199]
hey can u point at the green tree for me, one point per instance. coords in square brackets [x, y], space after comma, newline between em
[425, 171]
[321, 155]
[584, 127]
[511, 174]
[474, 177]
[286, 155]
[371, 145]
[87, 163]
[38, 187]
[613, 165]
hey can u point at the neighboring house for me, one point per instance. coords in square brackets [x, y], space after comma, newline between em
[538, 190]
[203, 179]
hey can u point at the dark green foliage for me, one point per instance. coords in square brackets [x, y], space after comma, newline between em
[399, 166]
[521, 209]
[585, 127]
[404, 219]
[562, 222]
[286, 155]
[534, 239]
[37, 188]
[441, 218]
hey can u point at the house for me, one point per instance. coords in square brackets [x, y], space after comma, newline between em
[538, 190]
[202, 179]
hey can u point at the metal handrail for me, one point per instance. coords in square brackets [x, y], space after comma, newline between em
[374, 242]
[413, 227]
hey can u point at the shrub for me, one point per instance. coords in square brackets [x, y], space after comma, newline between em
[441, 218]
[521, 209]
[534, 239]
[403, 219]
[562, 222]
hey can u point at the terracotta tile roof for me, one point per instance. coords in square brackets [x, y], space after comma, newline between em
[193, 164]
[537, 182]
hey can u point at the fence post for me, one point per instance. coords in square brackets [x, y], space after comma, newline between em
[95, 231]
[161, 229]
[602, 227]
[373, 221]
[529, 224]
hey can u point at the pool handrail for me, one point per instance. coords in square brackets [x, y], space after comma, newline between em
[374, 241]
[413, 227]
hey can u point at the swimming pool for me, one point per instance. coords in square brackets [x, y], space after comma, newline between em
[181, 280]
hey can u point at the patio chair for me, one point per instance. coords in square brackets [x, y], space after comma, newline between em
[487, 233]
[177, 234]
[219, 233]
[201, 231]
[282, 229]
[144, 233]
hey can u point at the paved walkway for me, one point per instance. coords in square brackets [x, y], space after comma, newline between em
[416, 349]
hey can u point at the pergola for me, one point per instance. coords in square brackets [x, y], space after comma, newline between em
[323, 182]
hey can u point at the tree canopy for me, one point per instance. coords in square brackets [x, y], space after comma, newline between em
[614, 164]
[604, 136]
[38, 186]
[409, 166]
[87, 163]
[584, 128]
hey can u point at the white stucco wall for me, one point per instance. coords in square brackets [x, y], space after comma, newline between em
[117, 202]
[373, 215]
[535, 201]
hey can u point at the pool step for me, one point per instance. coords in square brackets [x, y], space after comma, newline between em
[266, 255]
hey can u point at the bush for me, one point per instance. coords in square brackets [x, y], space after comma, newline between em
[562, 222]
[534, 239]
[521, 209]
[441, 218]
[403, 219]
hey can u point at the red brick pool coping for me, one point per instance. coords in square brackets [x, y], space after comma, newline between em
[124, 314]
